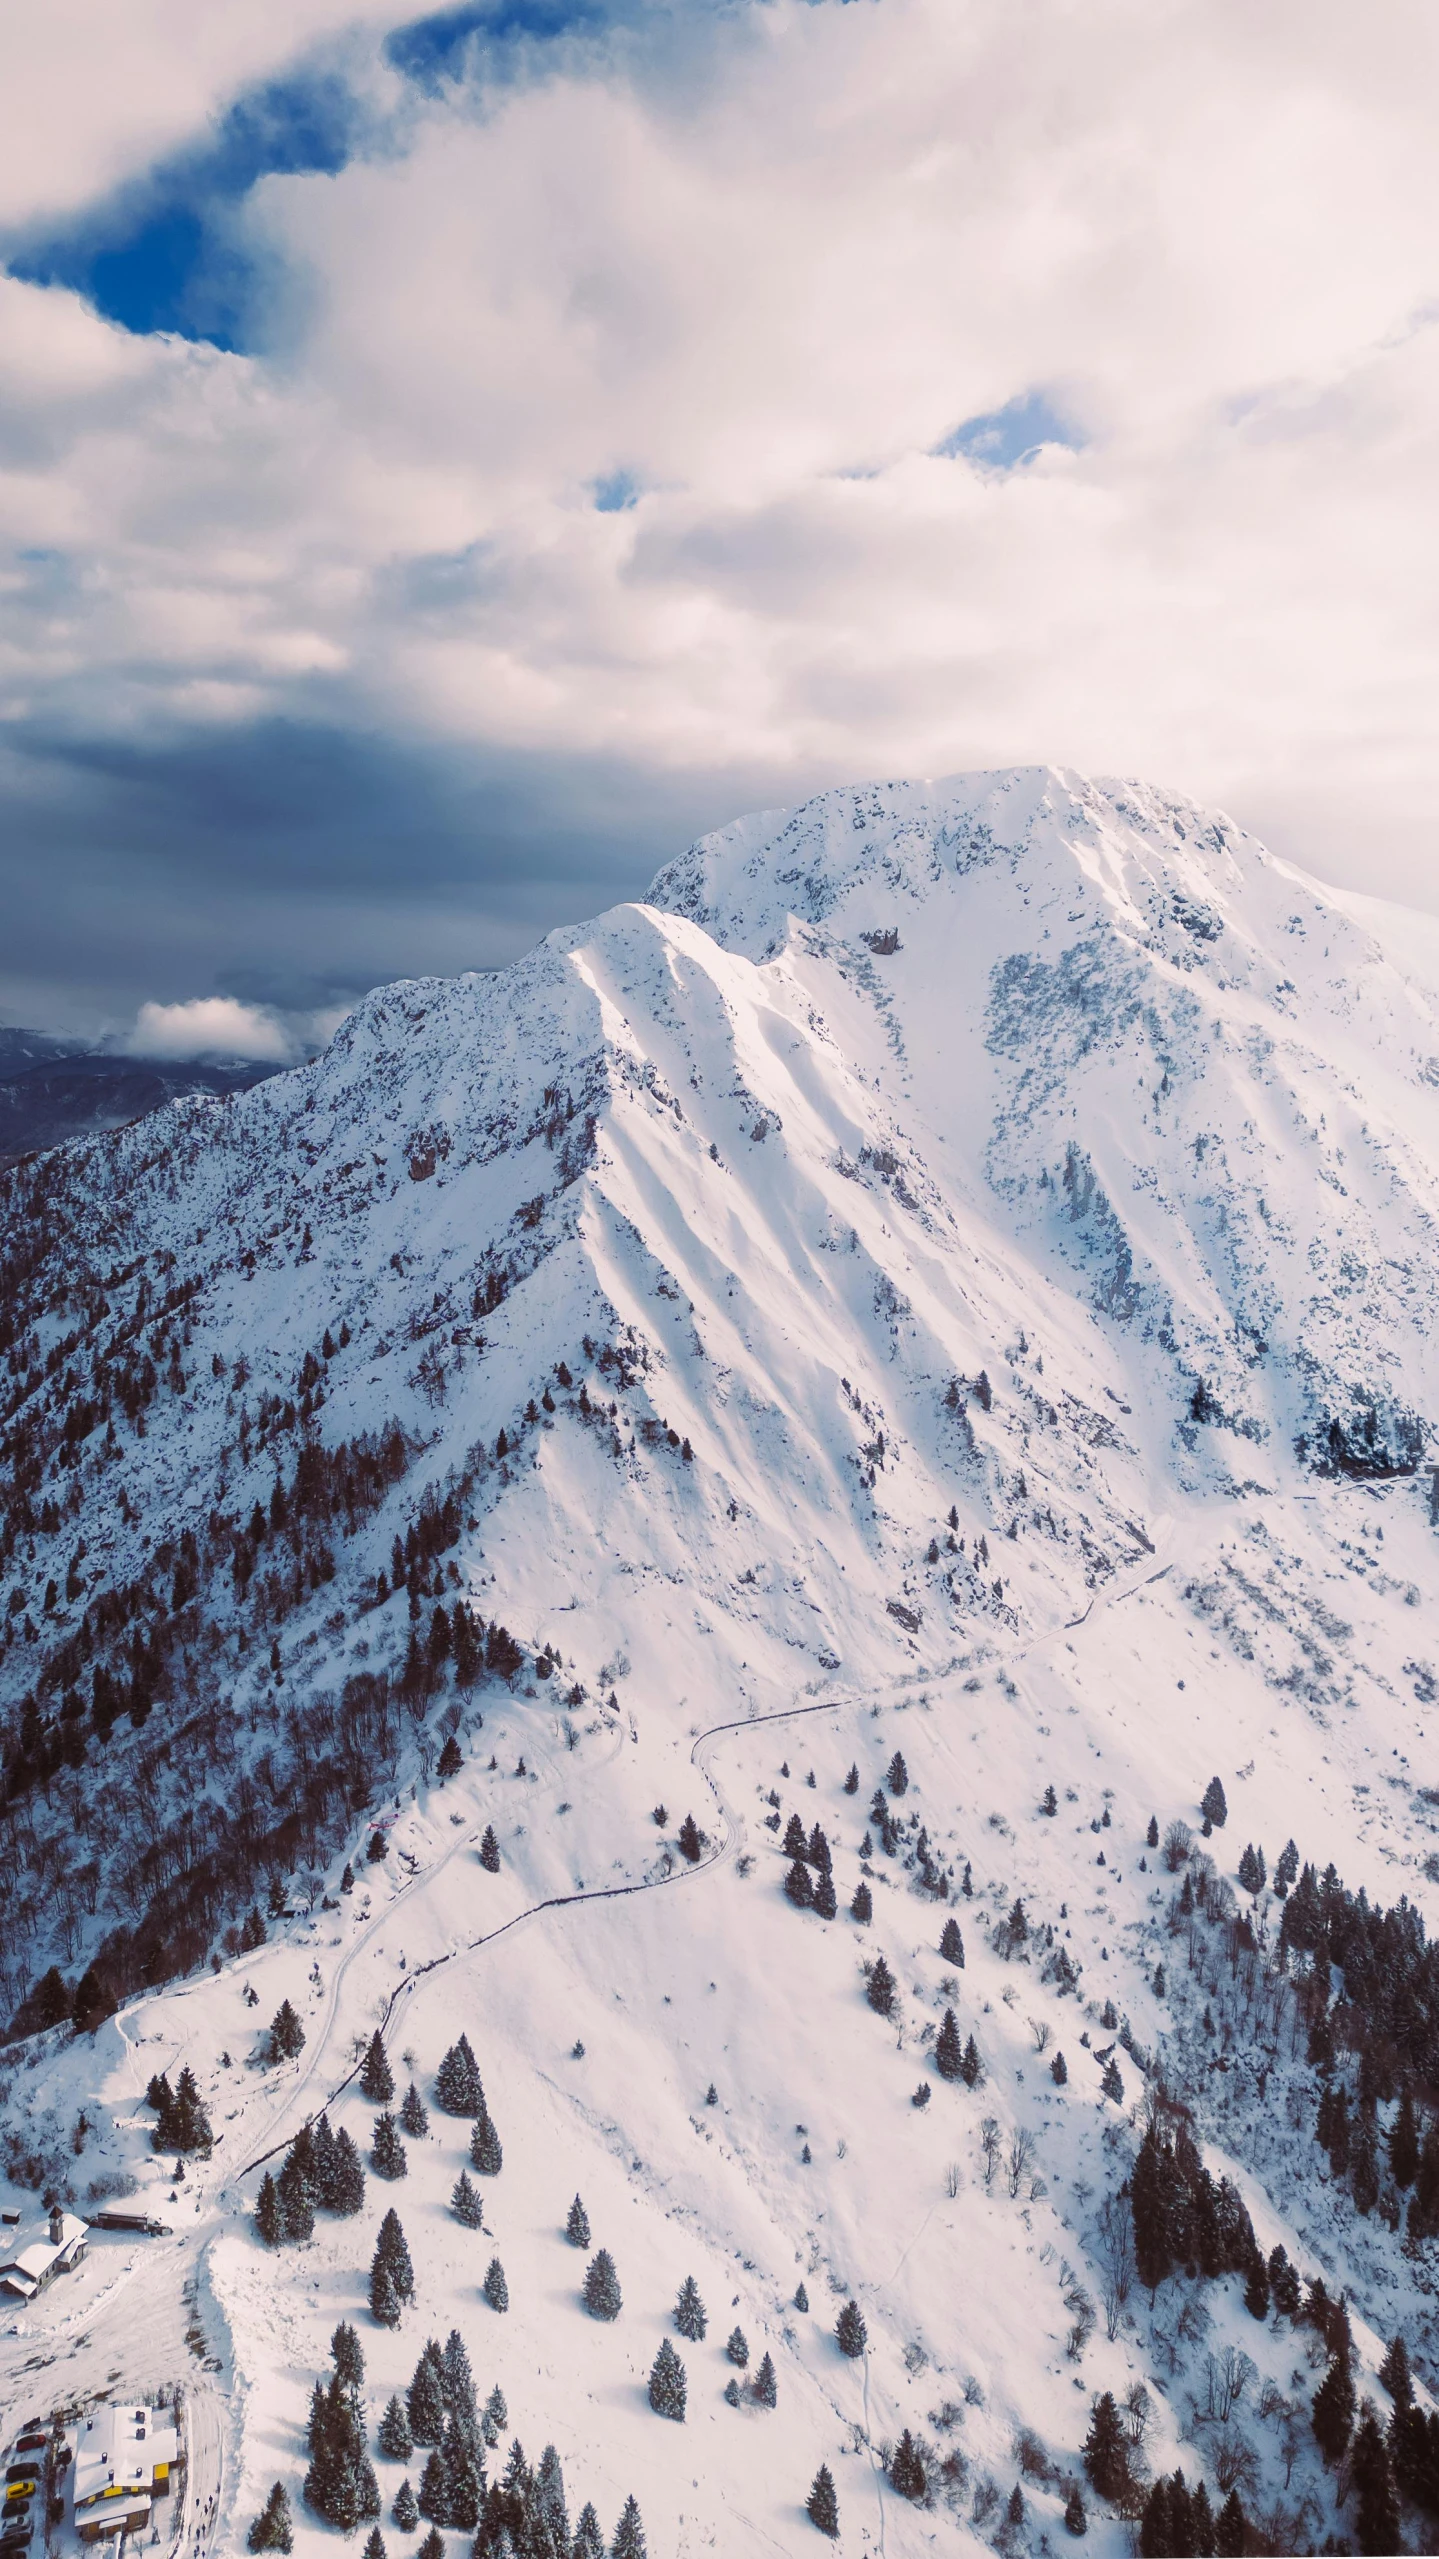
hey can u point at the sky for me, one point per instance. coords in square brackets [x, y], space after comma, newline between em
[446, 463]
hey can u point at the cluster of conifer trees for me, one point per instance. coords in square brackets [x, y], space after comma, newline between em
[321, 2173]
[182, 2125]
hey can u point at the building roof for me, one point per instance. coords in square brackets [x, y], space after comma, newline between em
[120, 2450]
[32, 2266]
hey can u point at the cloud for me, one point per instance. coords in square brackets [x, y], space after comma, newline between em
[599, 472]
[210, 1026]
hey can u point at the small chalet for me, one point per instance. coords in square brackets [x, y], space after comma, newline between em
[56, 2253]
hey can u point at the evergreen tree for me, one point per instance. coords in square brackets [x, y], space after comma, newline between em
[691, 2318]
[667, 2384]
[273, 2528]
[287, 2035]
[1364, 2165]
[589, 2541]
[391, 2250]
[452, 1758]
[801, 2297]
[602, 2296]
[1059, 2070]
[1286, 1867]
[851, 1783]
[297, 2211]
[826, 1904]
[466, 2202]
[550, 2498]
[496, 2419]
[880, 1991]
[818, 1850]
[629, 2541]
[495, 2289]
[490, 1852]
[375, 2080]
[1212, 1804]
[948, 2050]
[577, 2225]
[385, 2303]
[691, 1846]
[822, 2505]
[1201, 2522]
[349, 2355]
[906, 2469]
[433, 2545]
[395, 2439]
[485, 2151]
[1151, 1836]
[1372, 2473]
[851, 2334]
[862, 1906]
[1256, 2290]
[764, 2389]
[1106, 2452]
[1395, 2374]
[270, 2225]
[897, 1775]
[347, 2176]
[464, 2476]
[387, 2151]
[413, 2117]
[798, 1886]
[1231, 2527]
[1252, 1870]
[795, 1842]
[1334, 2410]
[737, 2347]
[971, 2069]
[1403, 2140]
[405, 2511]
[1075, 2518]
[425, 2397]
[951, 1944]
[458, 2087]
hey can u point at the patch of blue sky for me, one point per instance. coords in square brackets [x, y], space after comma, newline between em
[615, 493]
[433, 50]
[1005, 439]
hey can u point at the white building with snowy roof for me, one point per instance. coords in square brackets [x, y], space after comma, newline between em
[124, 2459]
[37, 2264]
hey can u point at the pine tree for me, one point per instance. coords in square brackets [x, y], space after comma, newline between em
[906, 2469]
[1364, 2166]
[880, 1991]
[395, 2439]
[764, 2389]
[951, 1944]
[274, 2527]
[1106, 2453]
[452, 1758]
[1075, 2518]
[851, 1783]
[818, 1851]
[485, 2151]
[495, 2421]
[577, 2225]
[1231, 2527]
[589, 2541]
[425, 2397]
[897, 1775]
[287, 2035]
[464, 2476]
[490, 1852]
[405, 2511]
[459, 2089]
[270, 2226]
[495, 2289]
[1059, 2070]
[798, 1886]
[1256, 2290]
[691, 2318]
[550, 2497]
[466, 2202]
[1373, 2475]
[795, 1842]
[375, 2080]
[390, 2247]
[1151, 1836]
[822, 2505]
[971, 2069]
[826, 1904]
[851, 2334]
[413, 2117]
[346, 2181]
[1286, 1867]
[862, 1906]
[629, 2541]
[1395, 2374]
[297, 2211]
[1201, 2520]
[1213, 1805]
[349, 2355]
[801, 2297]
[387, 2151]
[1334, 2410]
[602, 2298]
[667, 2384]
[948, 2050]
[385, 2303]
[691, 1846]
[433, 2545]
[1403, 2140]
[375, 2546]
[1252, 1870]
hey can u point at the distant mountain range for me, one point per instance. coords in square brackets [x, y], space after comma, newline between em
[53, 1088]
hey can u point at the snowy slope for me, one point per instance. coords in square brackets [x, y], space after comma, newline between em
[988, 1231]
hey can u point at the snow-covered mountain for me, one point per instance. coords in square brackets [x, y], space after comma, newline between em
[960, 1256]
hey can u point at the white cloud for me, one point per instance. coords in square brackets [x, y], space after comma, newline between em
[766, 294]
[211, 1026]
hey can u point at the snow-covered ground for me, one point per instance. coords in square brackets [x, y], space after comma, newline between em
[964, 1214]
